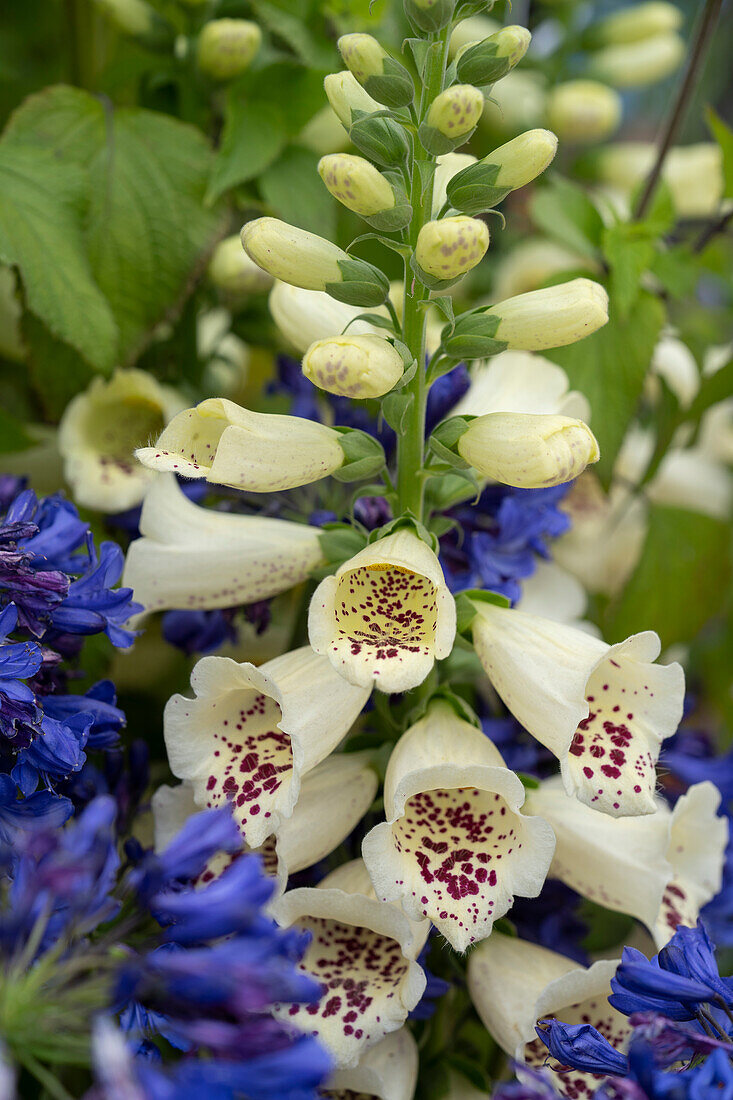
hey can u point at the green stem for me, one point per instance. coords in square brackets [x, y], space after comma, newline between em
[50, 1082]
[411, 443]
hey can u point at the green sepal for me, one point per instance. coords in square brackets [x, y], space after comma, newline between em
[397, 217]
[364, 455]
[466, 610]
[394, 409]
[474, 190]
[363, 284]
[407, 521]
[375, 319]
[381, 139]
[393, 87]
[439, 367]
[473, 336]
[437, 143]
[429, 20]
[480, 64]
[429, 280]
[444, 438]
[339, 542]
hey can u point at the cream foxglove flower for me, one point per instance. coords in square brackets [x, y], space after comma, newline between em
[353, 366]
[387, 1070]
[553, 593]
[528, 450]
[231, 270]
[673, 361]
[520, 382]
[513, 984]
[693, 173]
[257, 452]
[660, 868]
[191, 557]
[363, 952]
[386, 615]
[447, 167]
[251, 733]
[552, 317]
[99, 431]
[637, 64]
[455, 847]
[305, 316]
[602, 710]
[449, 248]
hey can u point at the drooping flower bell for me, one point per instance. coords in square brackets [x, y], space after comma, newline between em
[481, 186]
[451, 118]
[386, 615]
[583, 110]
[232, 272]
[551, 317]
[227, 47]
[455, 847]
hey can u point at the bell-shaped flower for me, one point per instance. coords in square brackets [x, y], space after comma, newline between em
[386, 615]
[257, 452]
[455, 847]
[195, 558]
[387, 1071]
[603, 710]
[251, 733]
[528, 450]
[554, 593]
[305, 316]
[520, 382]
[514, 984]
[363, 953]
[660, 868]
[99, 431]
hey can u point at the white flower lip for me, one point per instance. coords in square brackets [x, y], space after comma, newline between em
[192, 557]
[386, 615]
[258, 452]
[455, 847]
[602, 710]
[251, 733]
[363, 952]
[520, 382]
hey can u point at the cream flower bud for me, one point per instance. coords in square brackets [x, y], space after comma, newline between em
[455, 846]
[353, 366]
[480, 186]
[638, 21]
[233, 272]
[552, 317]
[386, 615]
[449, 248]
[583, 110]
[226, 47]
[305, 316]
[528, 450]
[693, 173]
[485, 62]
[452, 117]
[381, 75]
[636, 64]
[311, 262]
[346, 96]
[258, 452]
[361, 187]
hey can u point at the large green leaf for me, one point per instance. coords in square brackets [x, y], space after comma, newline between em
[609, 368]
[564, 211]
[681, 579]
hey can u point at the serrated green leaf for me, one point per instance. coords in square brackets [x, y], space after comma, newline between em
[629, 251]
[564, 211]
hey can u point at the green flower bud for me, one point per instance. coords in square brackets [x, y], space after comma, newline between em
[449, 248]
[226, 47]
[381, 139]
[528, 450]
[234, 273]
[381, 75]
[429, 15]
[583, 110]
[473, 336]
[488, 61]
[636, 64]
[551, 317]
[357, 184]
[451, 118]
[137, 18]
[313, 263]
[634, 23]
[481, 186]
[358, 367]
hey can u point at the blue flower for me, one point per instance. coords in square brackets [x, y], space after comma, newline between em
[99, 704]
[199, 631]
[20, 715]
[92, 606]
[38, 812]
[581, 1047]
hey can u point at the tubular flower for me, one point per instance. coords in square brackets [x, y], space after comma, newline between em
[353, 366]
[551, 317]
[251, 733]
[191, 557]
[661, 868]
[386, 615]
[387, 1070]
[101, 428]
[455, 846]
[602, 710]
[513, 984]
[307, 316]
[363, 953]
[257, 452]
[520, 382]
[528, 450]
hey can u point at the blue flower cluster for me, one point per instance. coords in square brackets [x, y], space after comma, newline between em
[56, 589]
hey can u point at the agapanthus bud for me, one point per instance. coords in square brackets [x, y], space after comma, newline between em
[488, 61]
[306, 260]
[381, 75]
[449, 248]
[380, 139]
[636, 64]
[226, 47]
[353, 366]
[634, 23]
[481, 186]
[137, 18]
[528, 450]
[451, 118]
[357, 184]
[429, 15]
[552, 317]
[583, 110]
[233, 272]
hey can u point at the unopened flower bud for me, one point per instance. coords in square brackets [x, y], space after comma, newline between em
[357, 184]
[451, 118]
[233, 272]
[353, 366]
[470, 31]
[488, 61]
[306, 260]
[137, 18]
[634, 23]
[528, 450]
[381, 75]
[552, 317]
[449, 248]
[429, 15]
[227, 47]
[380, 139]
[481, 186]
[636, 64]
[583, 110]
